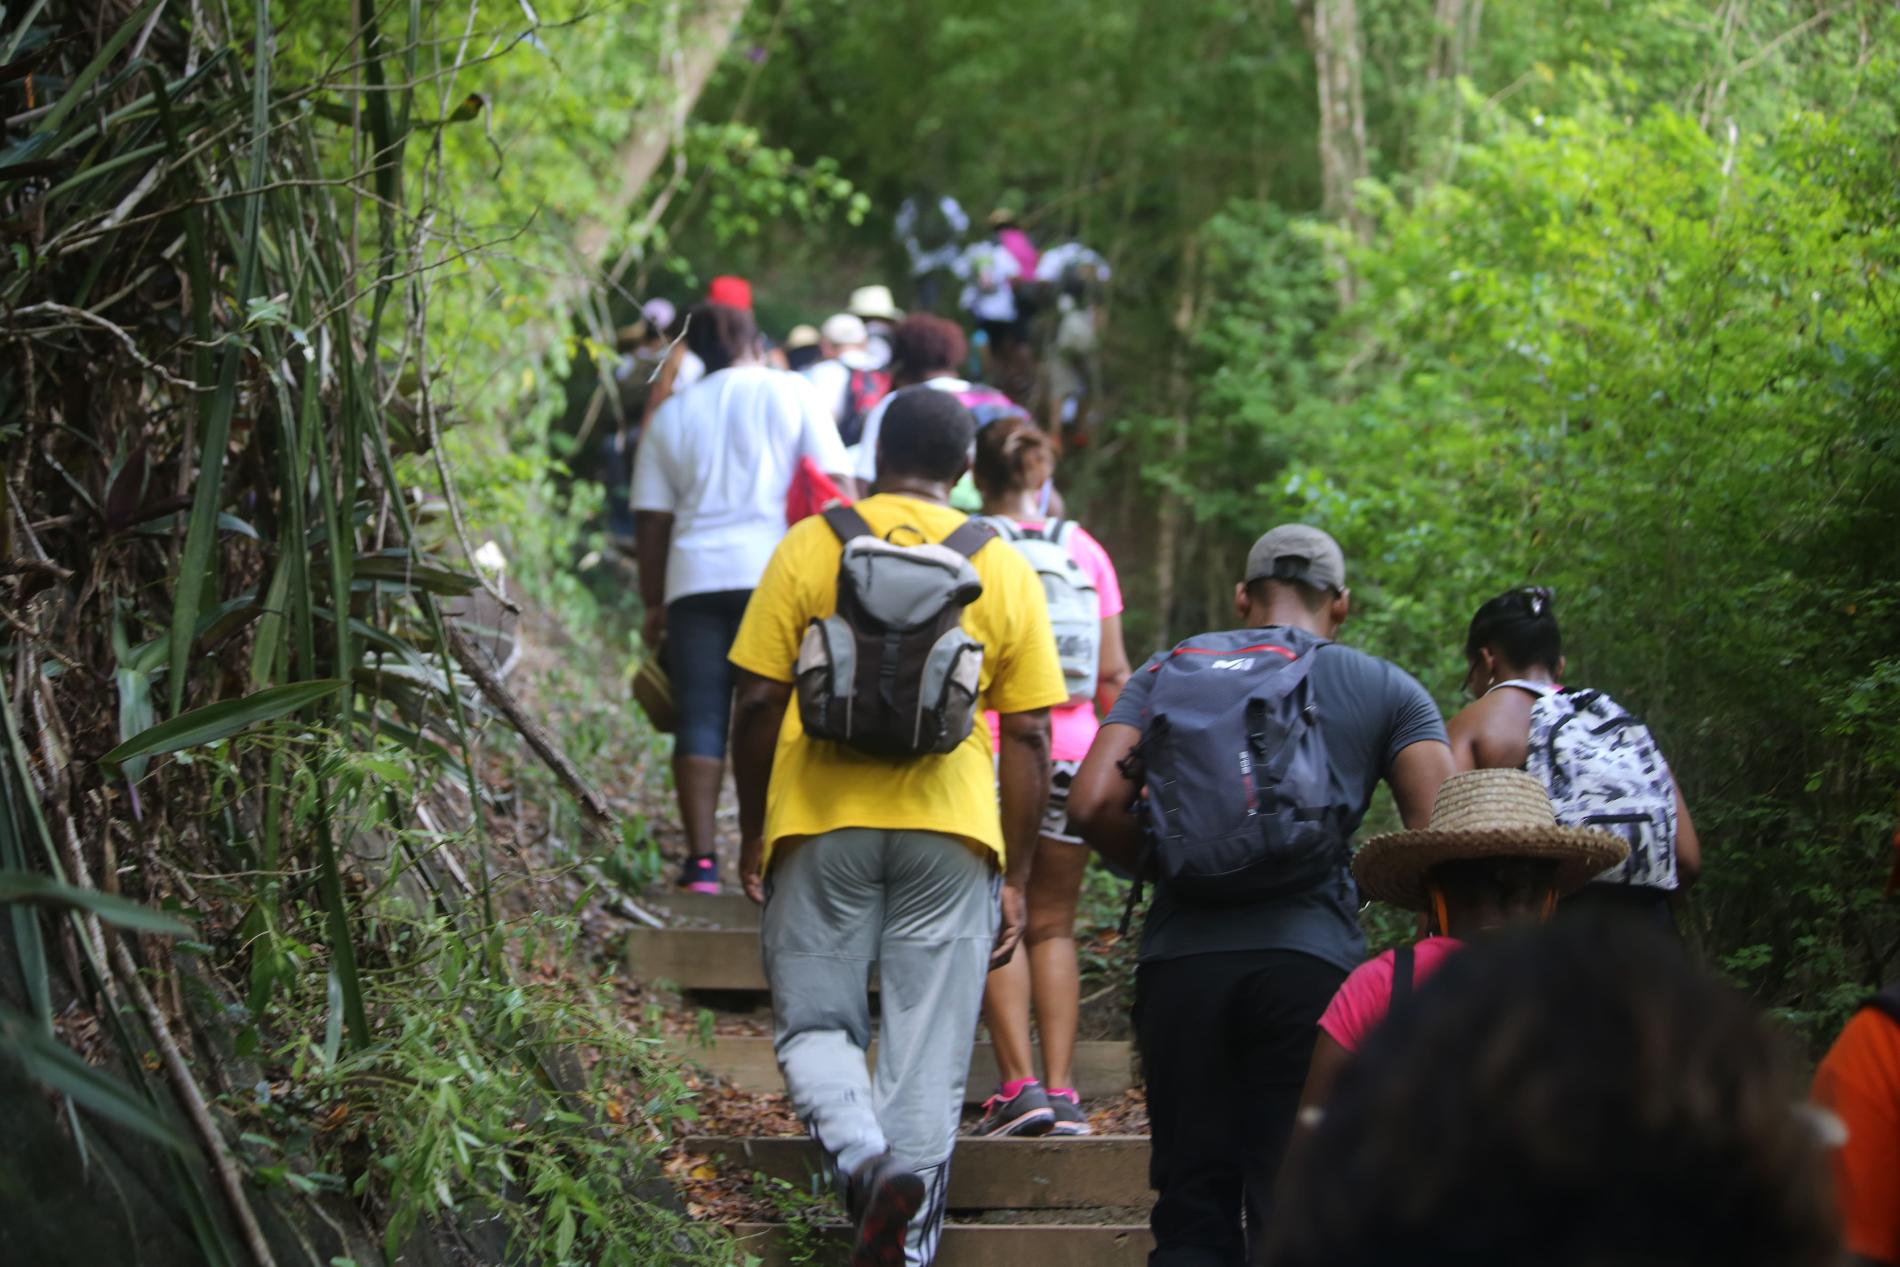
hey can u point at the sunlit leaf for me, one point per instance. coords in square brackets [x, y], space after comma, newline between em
[220, 721]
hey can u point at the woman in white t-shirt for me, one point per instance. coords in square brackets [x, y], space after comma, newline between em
[709, 488]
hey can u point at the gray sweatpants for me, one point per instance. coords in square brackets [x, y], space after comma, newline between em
[923, 908]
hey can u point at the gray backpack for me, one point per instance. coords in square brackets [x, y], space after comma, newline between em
[1240, 804]
[1075, 611]
[893, 673]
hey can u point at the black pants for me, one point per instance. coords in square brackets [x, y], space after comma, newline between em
[1225, 1043]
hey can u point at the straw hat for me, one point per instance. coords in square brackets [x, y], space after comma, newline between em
[1483, 814]
[874, 303]
[801, 336]
[653, 691]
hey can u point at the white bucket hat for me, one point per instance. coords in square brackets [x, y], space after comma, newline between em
[844, 329]
[874, 303]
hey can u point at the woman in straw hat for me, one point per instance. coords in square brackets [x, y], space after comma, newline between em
[1492, 856]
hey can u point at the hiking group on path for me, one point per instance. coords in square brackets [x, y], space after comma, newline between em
[862, 587]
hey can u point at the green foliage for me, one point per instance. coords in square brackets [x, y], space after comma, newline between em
[263, 259]
[219, 721]
[30, 886]
[1651, 367]
[50, 1062]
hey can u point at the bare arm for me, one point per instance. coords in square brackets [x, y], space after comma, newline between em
[1688, 847]
[1329, 1061]
[758, 711]
[1414, 778]
[1113, 671]
[1102, 794]
[652, 537]
[1022, 774]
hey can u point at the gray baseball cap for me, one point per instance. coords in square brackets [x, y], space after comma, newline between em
[1295, 552]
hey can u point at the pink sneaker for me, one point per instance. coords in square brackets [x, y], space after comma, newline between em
[700, 875]
[1070, 1119]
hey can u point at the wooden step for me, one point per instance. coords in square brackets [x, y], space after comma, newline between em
[696, 958]
[987, 1244]
[1101, 1068]
[986, 1174]
[714, 910]
[700, 958]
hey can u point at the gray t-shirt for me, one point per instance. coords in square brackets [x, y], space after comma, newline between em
[1369, 711]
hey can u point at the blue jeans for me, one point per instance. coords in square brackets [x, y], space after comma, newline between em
[700, 629]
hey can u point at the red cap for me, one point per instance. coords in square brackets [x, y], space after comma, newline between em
[734, 292]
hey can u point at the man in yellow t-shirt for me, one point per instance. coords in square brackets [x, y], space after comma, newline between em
[910, 864]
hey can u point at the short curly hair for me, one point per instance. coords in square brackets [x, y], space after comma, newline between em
[922, 345]
[1577, 1096]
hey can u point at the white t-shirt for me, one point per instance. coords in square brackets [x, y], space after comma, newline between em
[990, 269]
[866, 447]
[691, 370]
[1058, 260]
[720, 458]
[833, 378]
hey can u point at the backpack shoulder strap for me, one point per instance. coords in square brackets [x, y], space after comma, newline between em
[847, 523]
[972, 535]
[1002, 525]
[1539, 689]
[1404, 964]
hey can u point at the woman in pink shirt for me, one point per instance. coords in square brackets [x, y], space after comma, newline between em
[1014, 462]
[1492, 856]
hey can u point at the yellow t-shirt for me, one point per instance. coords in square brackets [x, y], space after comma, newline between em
[820, 786]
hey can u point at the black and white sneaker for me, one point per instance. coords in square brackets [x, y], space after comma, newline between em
[1026, 1113]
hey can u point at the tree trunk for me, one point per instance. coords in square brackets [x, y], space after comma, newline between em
[1332, 27]
[699, 42]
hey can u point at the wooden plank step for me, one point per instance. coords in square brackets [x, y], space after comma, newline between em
[986, 1174]
[716, 910]
[696, 958]
[700, 958]
[989, 1244]
[1101, 1068]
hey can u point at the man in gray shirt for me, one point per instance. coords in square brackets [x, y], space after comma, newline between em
[1228, 997]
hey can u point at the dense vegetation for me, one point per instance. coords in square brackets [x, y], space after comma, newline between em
[290, 917]
[1609, 303]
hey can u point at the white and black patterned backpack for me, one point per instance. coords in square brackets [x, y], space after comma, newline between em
[1602, 768]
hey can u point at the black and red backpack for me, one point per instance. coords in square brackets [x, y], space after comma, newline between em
[861, 393]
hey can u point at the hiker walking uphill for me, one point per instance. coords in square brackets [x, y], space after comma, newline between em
[930, 226]
[1493, 857]
[1014, 463]
[926, 352]
[709, 486]
[870, 812]
[850, 380]
[1254, 754]
[1600, 765]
